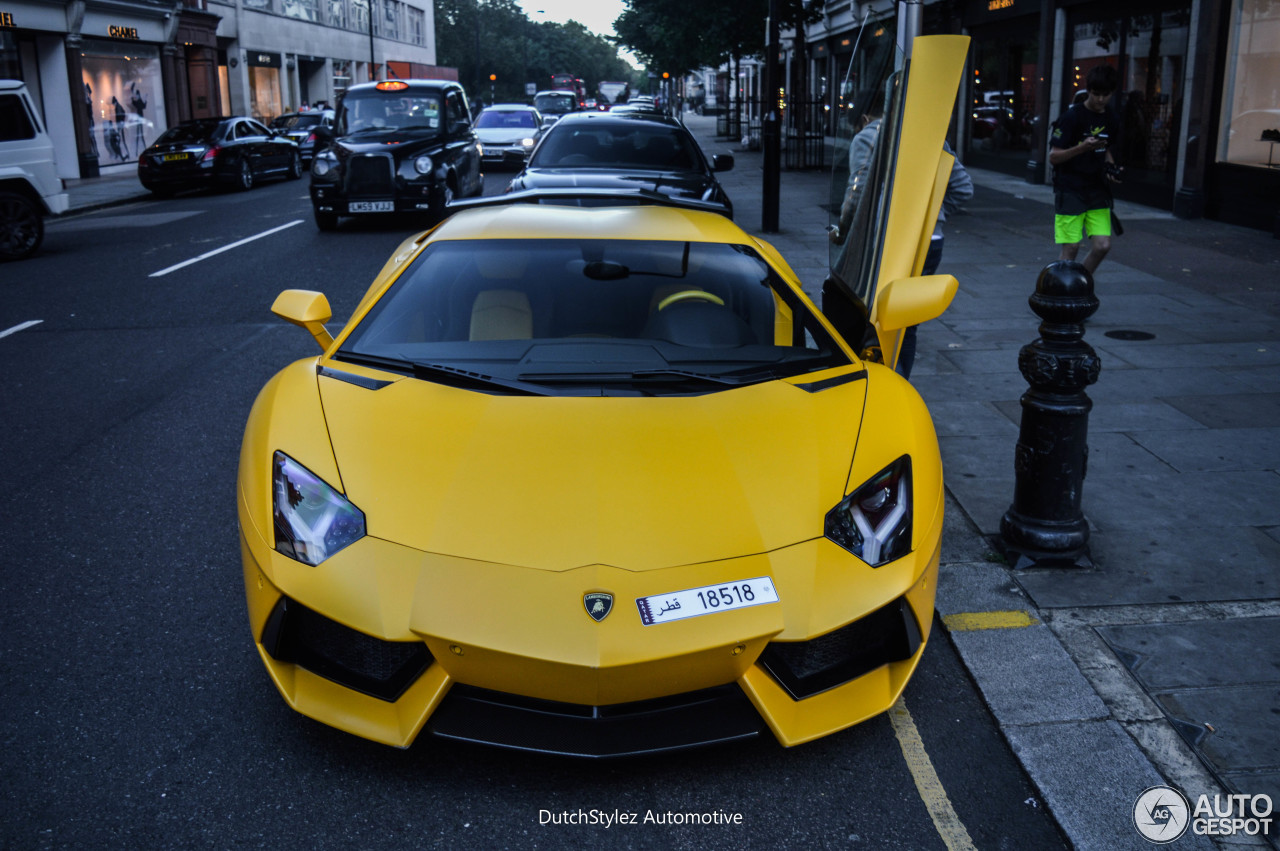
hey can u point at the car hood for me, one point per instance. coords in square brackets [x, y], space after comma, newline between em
[556, 483]
[680, 184]
[396, 142]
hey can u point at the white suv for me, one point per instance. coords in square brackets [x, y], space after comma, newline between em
[30, 187]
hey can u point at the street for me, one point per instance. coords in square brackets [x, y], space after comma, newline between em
[136, 712]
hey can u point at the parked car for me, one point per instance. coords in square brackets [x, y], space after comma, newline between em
[396, 146]
[605, 481]
[625, 150]
[554, 104]
[232, 153]
[30, 188]
[508, 132]
[301, 127]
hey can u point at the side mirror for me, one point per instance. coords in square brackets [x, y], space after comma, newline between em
[324, 134]
[722, 162]
[913, 301]
[308, 309]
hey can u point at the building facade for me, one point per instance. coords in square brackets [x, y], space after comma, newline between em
[1199, 103]
[111, 75]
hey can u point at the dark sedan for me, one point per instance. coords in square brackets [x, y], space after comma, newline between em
[217, 152]
[604, 150]
[301, 127]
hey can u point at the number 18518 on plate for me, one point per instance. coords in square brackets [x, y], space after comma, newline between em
[693, 602]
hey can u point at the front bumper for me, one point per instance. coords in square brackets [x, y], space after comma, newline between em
[508, 656]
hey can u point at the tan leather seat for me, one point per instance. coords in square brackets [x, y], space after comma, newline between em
[501, 315]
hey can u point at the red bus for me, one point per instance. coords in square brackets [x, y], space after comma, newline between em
[570, 83]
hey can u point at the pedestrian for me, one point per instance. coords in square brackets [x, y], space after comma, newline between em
[959, 191]
[1084, 168]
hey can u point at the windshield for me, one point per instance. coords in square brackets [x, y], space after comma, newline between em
[556, 103]
[592, 317]
[512, 119]
[375, 110]
[622, 144]
[295, 122]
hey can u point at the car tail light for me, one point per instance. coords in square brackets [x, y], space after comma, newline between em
[311, 137]
[210, 154]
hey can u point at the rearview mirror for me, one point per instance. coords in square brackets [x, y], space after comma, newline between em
[306, 308]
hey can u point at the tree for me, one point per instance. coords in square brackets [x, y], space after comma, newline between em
[679, 36]
[483, 37]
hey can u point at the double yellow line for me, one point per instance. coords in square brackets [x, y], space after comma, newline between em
[945, 820]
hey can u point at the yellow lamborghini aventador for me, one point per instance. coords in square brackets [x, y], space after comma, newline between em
[597, 478]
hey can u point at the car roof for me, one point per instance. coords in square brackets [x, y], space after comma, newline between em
[413, 85]
[622, 118]
[553, 221]
[509, 107]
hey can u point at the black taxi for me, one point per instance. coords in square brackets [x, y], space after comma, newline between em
[396, 146]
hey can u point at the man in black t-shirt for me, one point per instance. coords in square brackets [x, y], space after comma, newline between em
[1080, 154]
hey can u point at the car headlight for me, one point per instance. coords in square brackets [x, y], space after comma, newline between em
[528, 143]
[874, 522]
[313, 521]
[422, 165]
[322, 166]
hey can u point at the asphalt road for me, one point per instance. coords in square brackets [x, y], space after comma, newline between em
[135, 712]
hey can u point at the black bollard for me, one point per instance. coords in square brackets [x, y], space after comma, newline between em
[1045, 526]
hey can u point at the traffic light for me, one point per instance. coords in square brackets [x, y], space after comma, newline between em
[666, 76]
[492, 77]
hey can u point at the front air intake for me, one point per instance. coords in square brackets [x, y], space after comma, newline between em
[381, 669]
[805, 668]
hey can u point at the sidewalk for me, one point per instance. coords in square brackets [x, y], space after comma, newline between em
[1161, 665]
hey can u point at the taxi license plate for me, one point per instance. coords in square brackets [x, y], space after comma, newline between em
[707, 600]
[175, 157]
[371, 207]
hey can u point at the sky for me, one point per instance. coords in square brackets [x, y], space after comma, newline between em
[596, 15]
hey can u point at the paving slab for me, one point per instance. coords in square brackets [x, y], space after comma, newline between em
[1215, 449]
[1163, 564]
[1233, 740]
[1168, 656]
[1236, 410]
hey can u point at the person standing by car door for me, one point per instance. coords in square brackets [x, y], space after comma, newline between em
[959, 191]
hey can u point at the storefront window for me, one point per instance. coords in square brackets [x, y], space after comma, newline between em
[1250, 132]
[341, 76]
[264, 93]
[1003, 106]
[1150, 52]
[124, 98]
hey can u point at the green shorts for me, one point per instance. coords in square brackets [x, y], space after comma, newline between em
[1080, 210]
[1071, 229]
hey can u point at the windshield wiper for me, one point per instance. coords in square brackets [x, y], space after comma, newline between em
[440, 374]
[638, 378]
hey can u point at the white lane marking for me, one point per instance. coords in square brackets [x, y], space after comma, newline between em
[24, 326]
[216, 251]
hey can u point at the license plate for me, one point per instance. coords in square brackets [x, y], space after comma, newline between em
[371, 207]
[175, 157]
[707, 600]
